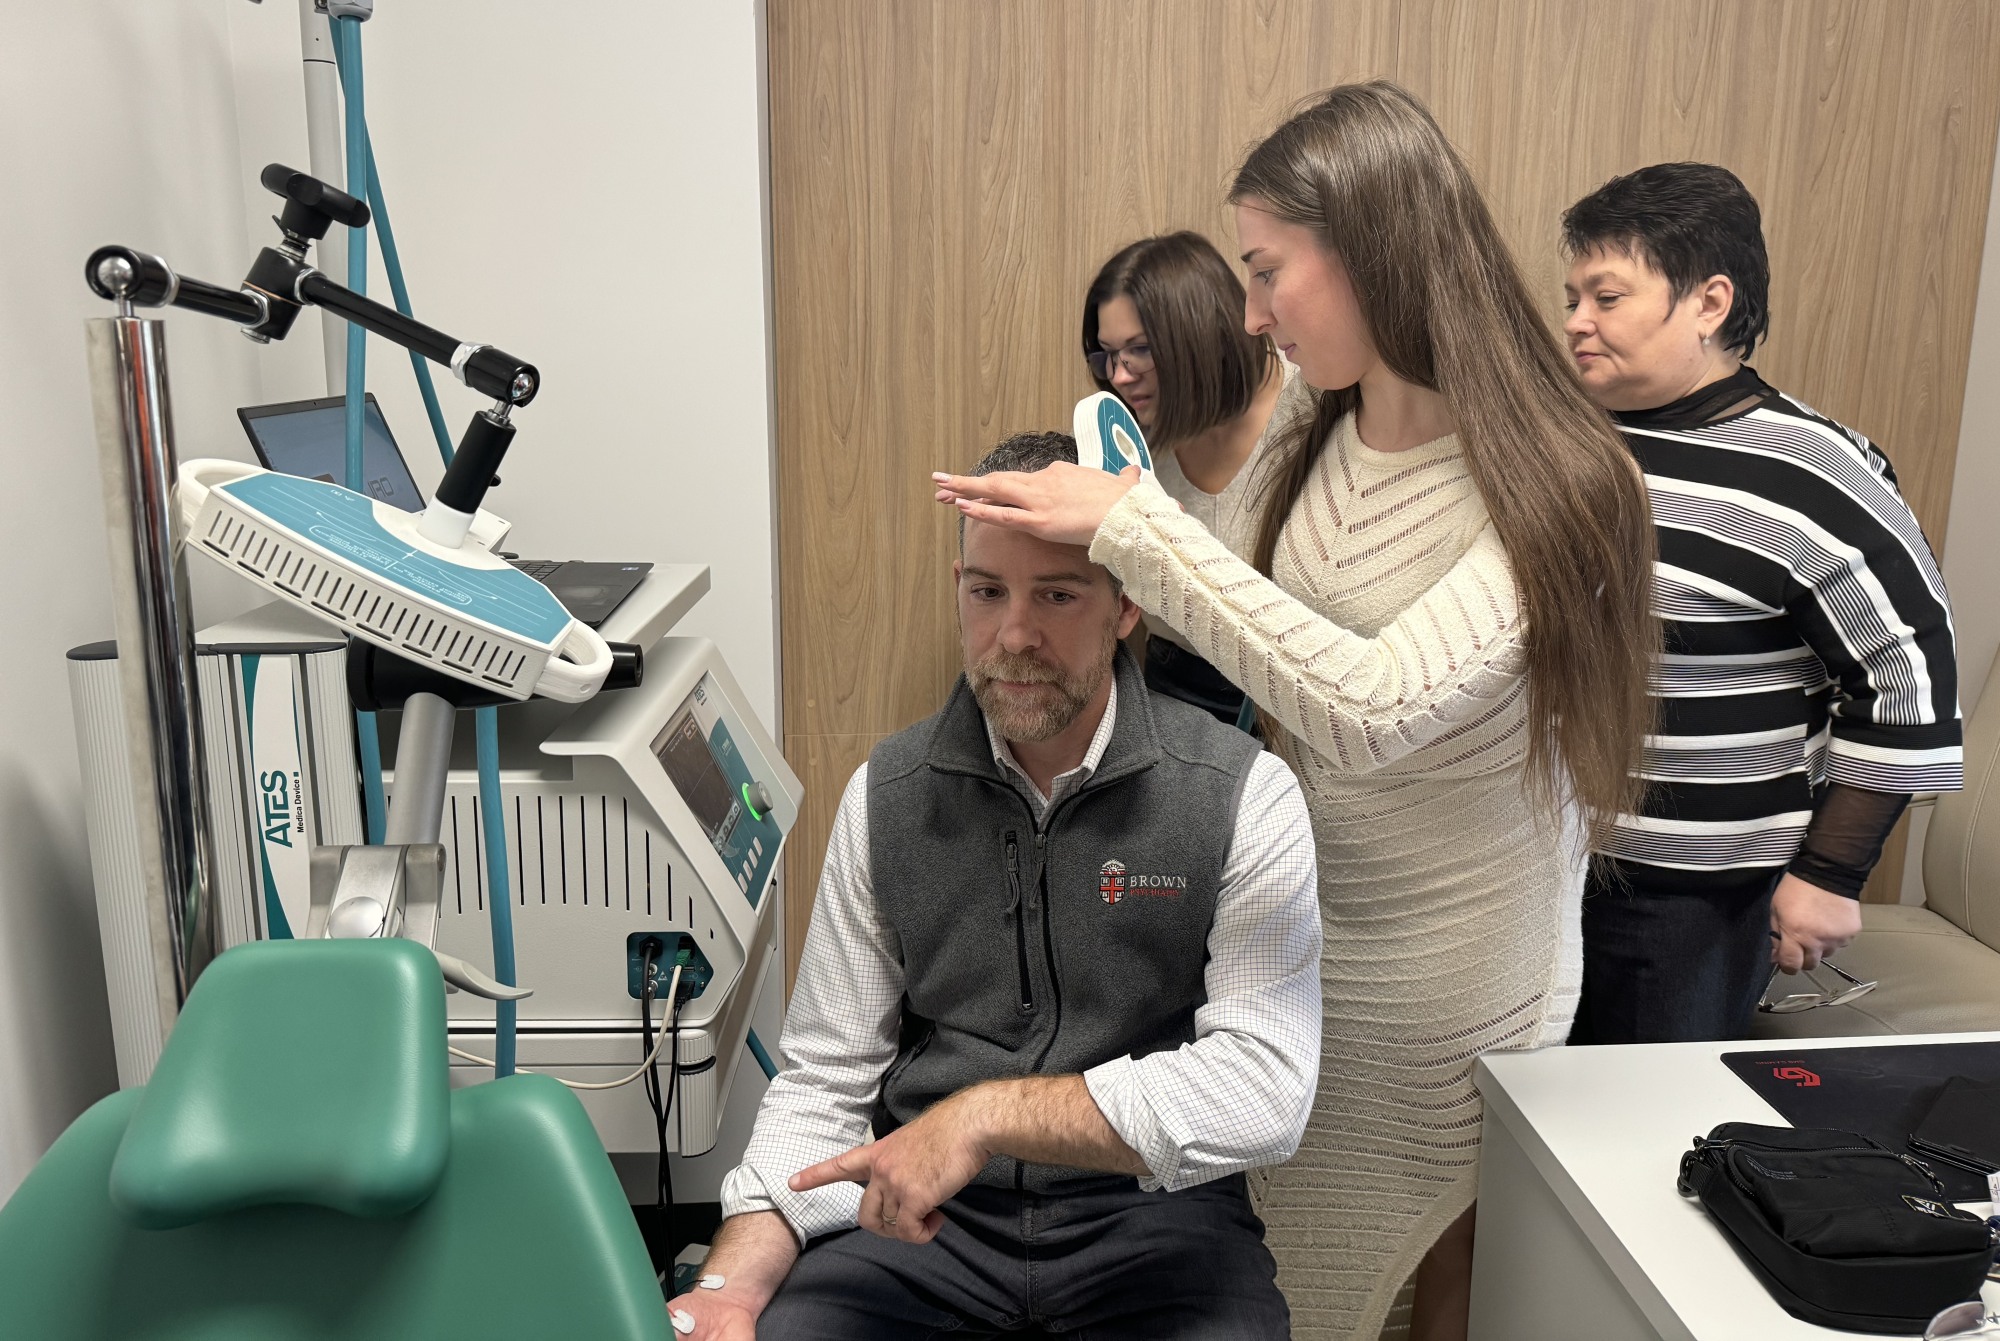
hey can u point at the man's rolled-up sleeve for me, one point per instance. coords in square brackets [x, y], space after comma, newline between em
[1238, 1096]
[839, 1039]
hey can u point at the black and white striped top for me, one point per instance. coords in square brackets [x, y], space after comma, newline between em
[1807, 635]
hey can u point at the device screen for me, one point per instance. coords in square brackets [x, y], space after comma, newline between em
[312, 441]
[692, 767]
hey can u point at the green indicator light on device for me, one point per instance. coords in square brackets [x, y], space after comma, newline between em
[751, 805]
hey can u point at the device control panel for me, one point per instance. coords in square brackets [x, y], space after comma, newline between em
[712, 775]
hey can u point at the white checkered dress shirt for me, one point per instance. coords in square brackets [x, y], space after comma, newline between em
[1235, 1098]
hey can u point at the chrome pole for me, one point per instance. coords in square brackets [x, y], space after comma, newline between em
[153, 618]
[324, 149]
[423, 766]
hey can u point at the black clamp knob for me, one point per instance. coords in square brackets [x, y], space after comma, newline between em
[137, 278]
[311, 206]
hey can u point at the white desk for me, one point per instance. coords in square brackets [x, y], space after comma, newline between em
[1581, 1234]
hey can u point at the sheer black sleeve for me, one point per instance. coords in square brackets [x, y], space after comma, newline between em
[1844, 840]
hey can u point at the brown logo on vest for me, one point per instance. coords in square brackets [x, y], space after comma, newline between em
[1114, 882]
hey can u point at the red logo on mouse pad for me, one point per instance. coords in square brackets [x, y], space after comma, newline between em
[1797, 1074]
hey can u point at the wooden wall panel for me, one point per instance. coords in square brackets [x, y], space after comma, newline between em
[948, 174]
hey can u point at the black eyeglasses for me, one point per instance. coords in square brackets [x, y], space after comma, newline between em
[1137, 358]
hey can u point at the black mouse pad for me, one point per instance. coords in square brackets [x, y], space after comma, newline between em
[1881, 1092]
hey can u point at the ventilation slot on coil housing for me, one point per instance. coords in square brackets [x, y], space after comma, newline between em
[285, 567]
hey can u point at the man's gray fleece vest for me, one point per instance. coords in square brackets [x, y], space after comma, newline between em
[1048, 951]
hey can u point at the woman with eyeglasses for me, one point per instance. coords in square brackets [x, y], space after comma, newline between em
[1809, 684]
[1163, 331]
[1446, 615]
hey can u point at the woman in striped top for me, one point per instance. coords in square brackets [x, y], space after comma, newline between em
[1808, 683]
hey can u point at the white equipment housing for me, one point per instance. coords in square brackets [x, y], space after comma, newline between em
[656, 811]
[633, 820]
[276, 725]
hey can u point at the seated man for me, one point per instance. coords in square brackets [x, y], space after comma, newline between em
[1065, 961]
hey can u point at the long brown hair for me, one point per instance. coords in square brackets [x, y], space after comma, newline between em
[1190, 305]
[1368, 171]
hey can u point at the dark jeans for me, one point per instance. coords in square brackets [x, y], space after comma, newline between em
[1180, 674]
[1119, 1263]
[1671, 966]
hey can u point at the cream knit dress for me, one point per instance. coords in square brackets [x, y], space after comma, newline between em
[1390, 647]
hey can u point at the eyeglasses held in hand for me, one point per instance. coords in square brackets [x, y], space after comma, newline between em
[1137, 358]
[1798, 1001]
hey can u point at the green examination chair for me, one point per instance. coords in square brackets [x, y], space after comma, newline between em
[299, 1169]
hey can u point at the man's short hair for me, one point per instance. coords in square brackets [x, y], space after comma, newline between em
[1688, 221]
[1028, 452]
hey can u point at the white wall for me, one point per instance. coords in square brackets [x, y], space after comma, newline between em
[1972, 541]
[581, 185]
[117, 123]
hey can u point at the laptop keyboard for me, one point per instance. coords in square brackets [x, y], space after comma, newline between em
[589, 591]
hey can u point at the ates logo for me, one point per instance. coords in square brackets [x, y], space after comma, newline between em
[278, 809]
[281, 795]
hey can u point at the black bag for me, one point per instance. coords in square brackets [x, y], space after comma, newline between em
[1843, 1232]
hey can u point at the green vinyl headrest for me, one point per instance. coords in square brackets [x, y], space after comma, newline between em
[299, 1073]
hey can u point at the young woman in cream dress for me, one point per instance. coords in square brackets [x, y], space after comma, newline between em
[1446, 615]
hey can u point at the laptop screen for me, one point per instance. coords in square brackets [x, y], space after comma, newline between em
[309, 438]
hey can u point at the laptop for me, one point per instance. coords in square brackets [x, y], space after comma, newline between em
[309, 438]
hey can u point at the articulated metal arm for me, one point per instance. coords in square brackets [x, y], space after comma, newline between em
[280, 285]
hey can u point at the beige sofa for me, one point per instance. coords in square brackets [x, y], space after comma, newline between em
[1938, 965]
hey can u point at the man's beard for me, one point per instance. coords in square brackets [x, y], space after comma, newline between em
[1044, 714]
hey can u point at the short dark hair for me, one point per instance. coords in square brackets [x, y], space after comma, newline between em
[1028, 452]
[1688, 221]
[1191, 306]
